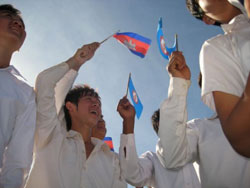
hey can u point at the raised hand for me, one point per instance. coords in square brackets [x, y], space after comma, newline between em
[177, 66]
[83, 54]
[125, 109]
[127, 112]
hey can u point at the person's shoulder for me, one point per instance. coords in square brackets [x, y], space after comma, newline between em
[214, 41]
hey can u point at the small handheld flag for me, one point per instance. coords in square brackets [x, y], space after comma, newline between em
[135, 98]
[164, 50]
[137, 44]
[108, 141]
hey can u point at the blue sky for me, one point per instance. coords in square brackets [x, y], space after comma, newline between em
[56, 28]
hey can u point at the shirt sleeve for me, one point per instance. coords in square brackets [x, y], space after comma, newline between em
[47, 118]
[221, 70]
[173, 148]
[136, 171]
[18, 155]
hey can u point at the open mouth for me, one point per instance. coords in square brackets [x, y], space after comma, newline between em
[94, 112]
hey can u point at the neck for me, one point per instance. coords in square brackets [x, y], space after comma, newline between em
[233, 11]
[5, 57]
[86, 133]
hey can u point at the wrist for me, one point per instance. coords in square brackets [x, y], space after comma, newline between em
[128, 125]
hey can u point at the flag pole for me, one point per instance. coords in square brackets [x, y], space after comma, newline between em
[176, 39]
[109, 37]
[128, 84]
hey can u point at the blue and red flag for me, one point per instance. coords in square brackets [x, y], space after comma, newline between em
[135, 98]
[164, 50]
[137, 44]
[108, 141]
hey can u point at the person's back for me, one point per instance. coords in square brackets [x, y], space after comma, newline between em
[220, 165]
[17, 104]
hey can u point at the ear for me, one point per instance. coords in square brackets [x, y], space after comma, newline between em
[207, 20]
[70, 106]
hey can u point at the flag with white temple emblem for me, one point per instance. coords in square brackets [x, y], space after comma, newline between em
[137, 44]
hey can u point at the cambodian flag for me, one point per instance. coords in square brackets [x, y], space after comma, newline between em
[164, 50]
[135, 98]
[108, 141]
[137, 44]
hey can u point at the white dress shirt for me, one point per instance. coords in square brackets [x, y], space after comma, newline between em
[60, 156]
[148, 171]
[203, 141]
[17, 127]
[224, 59]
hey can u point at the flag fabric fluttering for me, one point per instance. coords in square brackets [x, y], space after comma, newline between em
[164, 50]
[135, 98]
[108, 141]
[137, 44]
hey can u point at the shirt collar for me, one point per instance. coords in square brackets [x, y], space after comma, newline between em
[12, 70]
[99, 144]
[236, 23]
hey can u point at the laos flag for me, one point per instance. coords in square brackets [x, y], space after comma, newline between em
[137, 44]
[164, 50]
[135, 98]
[108, 141]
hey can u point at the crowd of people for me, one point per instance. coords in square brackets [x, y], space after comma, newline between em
[52, 136]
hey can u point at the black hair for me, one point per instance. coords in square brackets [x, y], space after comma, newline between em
[10, 8]
[155, 119]
[195, 9]
[74, 96]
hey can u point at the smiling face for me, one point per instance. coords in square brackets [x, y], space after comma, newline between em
[87, 113]
[12, 29]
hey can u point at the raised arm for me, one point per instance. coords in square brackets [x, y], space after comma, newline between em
[136, 171]
[173, 148]
[46, 82]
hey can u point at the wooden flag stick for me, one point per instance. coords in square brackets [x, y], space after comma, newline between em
[176, 39]
[109, 37]
[127, 84]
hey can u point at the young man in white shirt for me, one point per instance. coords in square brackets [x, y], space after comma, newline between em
[66, 154]
[17, 104]
[224, 63]
[147, 169]
[198, 140]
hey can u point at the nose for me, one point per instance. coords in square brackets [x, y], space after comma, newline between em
[17, 21]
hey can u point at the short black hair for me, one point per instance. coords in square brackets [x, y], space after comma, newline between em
[195, 9]
[155, 119]
[9, 8]
[74, 96]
